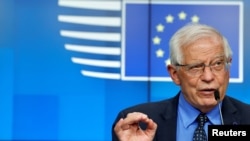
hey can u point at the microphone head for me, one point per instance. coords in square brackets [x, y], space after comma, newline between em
[217, 95]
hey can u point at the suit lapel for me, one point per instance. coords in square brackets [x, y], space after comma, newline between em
[167, 127]
[229, 112]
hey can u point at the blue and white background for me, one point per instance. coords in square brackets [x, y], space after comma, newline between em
[67, 67]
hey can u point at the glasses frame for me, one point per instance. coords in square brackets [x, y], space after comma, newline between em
[199, 68]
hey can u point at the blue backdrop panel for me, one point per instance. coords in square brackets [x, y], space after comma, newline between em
[35, 117]
[6, 92]
[47, 95]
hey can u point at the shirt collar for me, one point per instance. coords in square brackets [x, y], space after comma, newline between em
[188, 113]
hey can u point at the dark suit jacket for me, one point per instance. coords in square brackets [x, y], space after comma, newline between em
[164, 113]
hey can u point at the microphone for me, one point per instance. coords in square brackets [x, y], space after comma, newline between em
[217, 98]
[217, 95]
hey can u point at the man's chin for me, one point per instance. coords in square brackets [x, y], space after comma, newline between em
[208, 104]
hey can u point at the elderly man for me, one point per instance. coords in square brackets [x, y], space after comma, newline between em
[200, 64]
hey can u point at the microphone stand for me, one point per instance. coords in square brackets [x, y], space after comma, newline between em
[217, 98]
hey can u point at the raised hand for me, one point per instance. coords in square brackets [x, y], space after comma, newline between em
[128, 129]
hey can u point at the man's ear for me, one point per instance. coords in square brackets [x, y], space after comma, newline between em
[172, 70]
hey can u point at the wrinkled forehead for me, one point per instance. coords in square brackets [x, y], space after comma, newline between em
[203, 49]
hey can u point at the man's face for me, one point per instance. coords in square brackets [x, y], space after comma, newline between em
[198, 81]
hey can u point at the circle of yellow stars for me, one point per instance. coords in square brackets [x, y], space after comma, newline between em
[160, 28]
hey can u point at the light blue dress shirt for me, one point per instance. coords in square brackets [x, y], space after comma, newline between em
[186, 123]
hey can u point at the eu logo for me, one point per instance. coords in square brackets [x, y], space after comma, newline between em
[128, 40]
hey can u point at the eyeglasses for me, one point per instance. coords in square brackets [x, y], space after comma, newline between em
[217, 66]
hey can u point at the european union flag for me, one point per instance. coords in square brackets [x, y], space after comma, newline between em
[149, 26]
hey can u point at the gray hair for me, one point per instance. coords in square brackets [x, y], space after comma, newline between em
[189, 34]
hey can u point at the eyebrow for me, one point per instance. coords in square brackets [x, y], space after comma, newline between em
[201, 62]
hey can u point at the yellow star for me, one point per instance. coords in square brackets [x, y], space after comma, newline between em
[160, 28]
[167, 62]
[195, 19]
[169, 19]
[159, 53]
[182, 15]
[156, 40]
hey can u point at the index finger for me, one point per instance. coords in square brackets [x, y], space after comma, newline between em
[135, 117]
